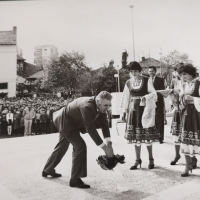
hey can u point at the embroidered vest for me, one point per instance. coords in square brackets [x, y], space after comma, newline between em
[141, 91]
[195, 89]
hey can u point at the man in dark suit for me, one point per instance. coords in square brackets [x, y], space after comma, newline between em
[158, 84]
[81, 115]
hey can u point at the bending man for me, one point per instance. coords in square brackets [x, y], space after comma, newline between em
[81, 115]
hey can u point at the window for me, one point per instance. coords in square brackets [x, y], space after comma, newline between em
[45, 49]
[3, 86]
[18, 68]
[21, 66]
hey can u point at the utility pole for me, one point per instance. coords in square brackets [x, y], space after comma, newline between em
[133, 32]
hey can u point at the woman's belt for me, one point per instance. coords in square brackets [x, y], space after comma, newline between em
[190, 101]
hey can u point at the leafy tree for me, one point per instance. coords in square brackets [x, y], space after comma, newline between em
[123, 77]
[64, 73]
[174, 57]
[107, 81]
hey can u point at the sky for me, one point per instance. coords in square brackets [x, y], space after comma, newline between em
[102, 29]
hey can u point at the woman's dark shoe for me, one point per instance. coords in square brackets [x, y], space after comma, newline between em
[78, 183]
[194, 163]
[188, 168]
[54, 174]
[175, 160]
[137, 162]
[151, 166]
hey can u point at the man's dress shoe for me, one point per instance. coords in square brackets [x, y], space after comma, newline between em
[79, 184]
[54, 174]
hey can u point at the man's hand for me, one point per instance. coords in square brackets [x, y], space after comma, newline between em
[109, 144]
[108, 150]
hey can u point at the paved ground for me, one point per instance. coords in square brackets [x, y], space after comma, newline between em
[23, 158]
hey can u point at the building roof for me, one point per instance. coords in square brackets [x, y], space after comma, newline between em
[146, 62]
[20, 58]
[20, 79]
[37, 75]
[99, 70]
[8, 38]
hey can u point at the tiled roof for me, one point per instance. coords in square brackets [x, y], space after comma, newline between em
[20, 79]
[30, 69]
[99, 70]
[37, 75]
[7, 38]
[20, 58]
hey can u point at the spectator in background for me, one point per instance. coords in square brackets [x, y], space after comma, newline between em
[43, 120]
[48, 120]
[21, 124]
[0, 124]
[5, 110]
[52, 127]
[16, 122]
[1, 108]
[37, 121]
[9, 119]
[20, 116]
[29, 115]
[4, 125]
[33, 126]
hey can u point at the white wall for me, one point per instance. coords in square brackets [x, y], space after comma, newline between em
[8, 68]
[116, 100]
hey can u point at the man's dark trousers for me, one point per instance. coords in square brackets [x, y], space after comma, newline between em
[160, 107]
[79, 155]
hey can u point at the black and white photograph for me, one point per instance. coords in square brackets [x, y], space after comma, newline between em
[99, 100]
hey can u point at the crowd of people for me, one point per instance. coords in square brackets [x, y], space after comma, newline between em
[29, 115]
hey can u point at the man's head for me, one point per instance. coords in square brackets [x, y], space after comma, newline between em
[151, 71]
[29, 105]
[103, 101]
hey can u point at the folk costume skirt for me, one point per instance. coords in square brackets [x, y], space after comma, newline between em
[176, 127]
[190, 136]
[134, 132]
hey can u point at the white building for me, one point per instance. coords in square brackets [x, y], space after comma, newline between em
[44, 53]
[8, 62]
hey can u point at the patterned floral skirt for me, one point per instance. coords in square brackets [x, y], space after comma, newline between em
[135, 133]
[190, 136]
[176, 127]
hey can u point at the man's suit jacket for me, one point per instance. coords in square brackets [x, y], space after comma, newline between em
[81, 115]
[159, 85]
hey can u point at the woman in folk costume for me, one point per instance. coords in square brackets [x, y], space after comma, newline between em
[139, 128]
[190, 136]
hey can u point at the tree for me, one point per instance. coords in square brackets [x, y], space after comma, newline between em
[64, 72]
[123, 77]
[124, 60]
[174, 57]
[107, 80]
